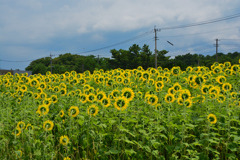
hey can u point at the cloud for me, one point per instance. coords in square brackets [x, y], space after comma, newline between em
[45, 25]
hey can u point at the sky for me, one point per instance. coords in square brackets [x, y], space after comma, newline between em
[32, 29]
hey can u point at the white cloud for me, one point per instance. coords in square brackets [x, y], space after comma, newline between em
[38, 22]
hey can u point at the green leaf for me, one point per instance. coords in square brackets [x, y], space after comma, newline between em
[155, 153]
[129, 152]
[121, 128]
[112, 151]
[147, 148]
[169, 148]
[37, 153]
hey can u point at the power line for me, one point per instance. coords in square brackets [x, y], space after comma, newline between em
[202, 33]
[125, 41]
[128, 40]
[203, 22]
[147, 33]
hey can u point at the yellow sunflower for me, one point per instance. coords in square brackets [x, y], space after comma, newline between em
[17, 131]
[29, 127]
[73, 111]
[226, 87]
[169, 98]
[21, 125]
[128, 93]
[48, 125]
[61, 113]
[121, 103]
[54, 98]
[105, 101]
[64, 140]
[91, 98]
[152, 99]
[42, 110]
[212, 118]
[92, 110]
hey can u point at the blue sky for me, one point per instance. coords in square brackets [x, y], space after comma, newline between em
[31, 29]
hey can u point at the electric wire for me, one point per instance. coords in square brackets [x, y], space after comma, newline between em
[203, 22]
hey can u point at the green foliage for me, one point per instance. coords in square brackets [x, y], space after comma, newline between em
[126, 59]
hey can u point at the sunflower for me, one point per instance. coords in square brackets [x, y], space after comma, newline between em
[34, 82]
[29, 127]
[221, 98]
[226, 87]
[63, 91]
[188, 103]
[48, 125]
[221, 79]
[73, 111]
[42, 85]
[185, 94]
[47, 101]
[19, 100]
[177, 86]
[128, 93]
[121, 103]
[198, 80]
[42, 110]
[146, 75]
[169, 98]
[115, 93]
[171, 90]
[43, 95]
[71, 94]
[64, 140]
[92, 110]
[214, 90]
[175, 71]
[159, 85]
[234, 95]
[212, 118]
[228, 72]
[23, 88]
[159, 78]
[205, 89]
[152, 99]
[213, 95]
[18, 153]
[235, 68]
[100, 95]
[54, 98]
[139, 95]
[56, 89]
[227, 64]
[78, 91]
[61, 113]
[91, 98]
[105, 101]
[83, 98]
[217, 70]
[81, 81]
[21, 125]
[17, 131]
[36, 95]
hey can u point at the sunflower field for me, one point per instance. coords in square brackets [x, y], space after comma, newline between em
[122, 114]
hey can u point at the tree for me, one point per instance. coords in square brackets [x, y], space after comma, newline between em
[39, 68]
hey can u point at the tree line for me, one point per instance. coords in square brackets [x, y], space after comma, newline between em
[126, 59]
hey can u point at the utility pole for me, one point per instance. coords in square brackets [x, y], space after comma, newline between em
[51, 61]
[83, 64]
[217, 49]
[198, 60]
[155, 30]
